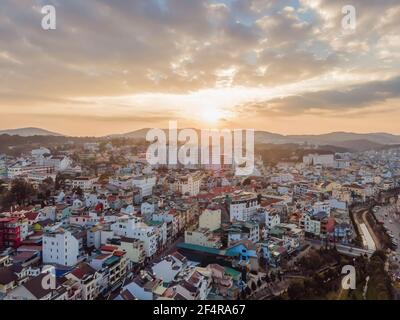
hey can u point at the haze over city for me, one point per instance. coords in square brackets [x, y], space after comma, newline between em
[280, 66]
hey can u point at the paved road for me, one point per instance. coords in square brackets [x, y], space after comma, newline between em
[344, 249]
[391, 221]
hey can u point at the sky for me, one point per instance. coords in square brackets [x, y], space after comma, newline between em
[288, 67]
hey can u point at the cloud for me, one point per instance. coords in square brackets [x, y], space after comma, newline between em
[331, 102]
[180, 47]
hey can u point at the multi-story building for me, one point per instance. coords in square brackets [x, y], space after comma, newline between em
[210, 219]
[145, 183]
[203, 237]
[188, 184]
[20, 170]
[243, 205]
[60, 247]
[85, 183]
[326, 160]
[88, 279]
[10, 233]
[134, 249]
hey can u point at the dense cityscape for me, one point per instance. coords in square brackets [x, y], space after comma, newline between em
[199, 158]
[108, 226]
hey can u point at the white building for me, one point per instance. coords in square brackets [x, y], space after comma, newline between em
[243, 206]
[326, 160]
[59, 163]
[124, 182]
[145, 183]
[19, 170]
[322, 206]
[85, 183]
[132, 227]
[40, 152]
[210, 219]
[60, 247]
[189, 184]
[271, 219]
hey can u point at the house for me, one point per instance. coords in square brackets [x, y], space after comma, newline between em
[84, 183]
[88, 279]
[238, 231]
[243, 205]
[31, 290]
[134, 249]
[142, 287]
[60, 247]
[11, 277]
[113, 265]
[145, 183]
[210, 219]
[203, 237]
[168, 269]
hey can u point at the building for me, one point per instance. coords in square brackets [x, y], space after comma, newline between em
[10, 233]
[325, 160]
[145, 183]
[203, 237]
[243, 205]
[60, 247]
[210, 219]
[134, 249]
[84, 183]
[243, 230]
[188, 184]
[88, 279]
[20, 170]
[317, 225]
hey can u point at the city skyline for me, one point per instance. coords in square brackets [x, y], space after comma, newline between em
[280, 66]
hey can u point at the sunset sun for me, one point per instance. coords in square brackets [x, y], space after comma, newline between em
[211, 115]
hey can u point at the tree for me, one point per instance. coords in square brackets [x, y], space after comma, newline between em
[296, 290]
[78, 191]
[261, 259]
[2, 187]
[20, 193]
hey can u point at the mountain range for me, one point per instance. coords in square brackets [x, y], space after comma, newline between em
[355, 141]
[28, 132]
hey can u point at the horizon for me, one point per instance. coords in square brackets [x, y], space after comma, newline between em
[290, 67]
[181, 128]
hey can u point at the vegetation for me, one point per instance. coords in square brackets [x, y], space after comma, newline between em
[322, 277]
[20, 193]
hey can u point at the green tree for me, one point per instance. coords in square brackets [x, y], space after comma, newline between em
[296, 290]
[20, 193]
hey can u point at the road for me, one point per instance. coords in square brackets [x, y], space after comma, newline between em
[391, 221]
[344, 249]
[370, 241]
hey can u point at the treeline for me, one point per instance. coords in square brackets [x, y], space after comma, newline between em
[321, 282]
[274, 153]
[22, 193]
[12, 145]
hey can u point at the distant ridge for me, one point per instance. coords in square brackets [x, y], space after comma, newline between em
[28, 132]
[354, 141]
[345, 139]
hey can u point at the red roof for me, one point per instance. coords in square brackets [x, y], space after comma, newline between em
[31, 215]
[108, 248]
[119, 253]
